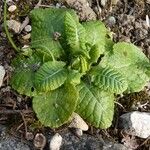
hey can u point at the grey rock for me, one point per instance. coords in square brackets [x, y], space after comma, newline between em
[2, 74]
[3, 130]
[136, 123]
[111, 21]
[10, 143]
[88, 142]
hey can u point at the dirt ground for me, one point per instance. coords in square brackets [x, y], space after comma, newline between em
[127, 21]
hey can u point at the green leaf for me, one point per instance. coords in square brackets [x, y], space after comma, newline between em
[23, 76]
[84, 64]
[50, 76]
[95, 105]
[129, 60]
[95, 34]
[75, 35]
[74, 77]
[56, 107]
[46, 24]
[110, 79]
[94, 53]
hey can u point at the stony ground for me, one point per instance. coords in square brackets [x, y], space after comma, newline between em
[129, 21]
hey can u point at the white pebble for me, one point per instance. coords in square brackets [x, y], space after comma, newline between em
[12, 8]
[14, 25]
[103, 2]
[55, 142]
[27, 37]
[147, 21]
[2, 74]
[78, 122]
[58, 5]
[28, 28]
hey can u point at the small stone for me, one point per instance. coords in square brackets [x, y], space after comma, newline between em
[103, 2]
[55, 142]
[28, 28]
[39, 141]
[148, 1]
[78, 122]
[136, 123]
[2, 74]
[114, 2]
[27, 37]
[14, 25]
[12, 8]
[19, 99]
[29, 136]
[58, 5]
[111, 21]
[78, 132]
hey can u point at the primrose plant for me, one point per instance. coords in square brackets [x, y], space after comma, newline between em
[76, 67]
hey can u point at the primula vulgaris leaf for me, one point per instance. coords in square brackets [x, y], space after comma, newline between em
[75, 36]
[84, 64]
[47, 29]
[50, 76]
[74, 77]
[94, 53]
[95, 105]
[111, 80]
[55, 108]
[95, 34]
[127, 59]
[23, 76]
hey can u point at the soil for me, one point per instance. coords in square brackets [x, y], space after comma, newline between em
[129, 25]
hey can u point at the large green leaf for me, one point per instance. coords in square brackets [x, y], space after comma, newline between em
[50, 76]
[75, 36]
[110, 79]
[95, 105]
[23, 76]
[47, 24]
[129, 60]
[55, 108]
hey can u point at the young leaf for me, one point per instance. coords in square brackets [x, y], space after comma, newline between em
[23, 76]
[127, 59]
[50, 76]
[75, 35]
[110, 79]
[95, 34]
[95, 53]
[74, 77]
[48, 29]
[95, 105]
[84, 64]
[56, 107]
